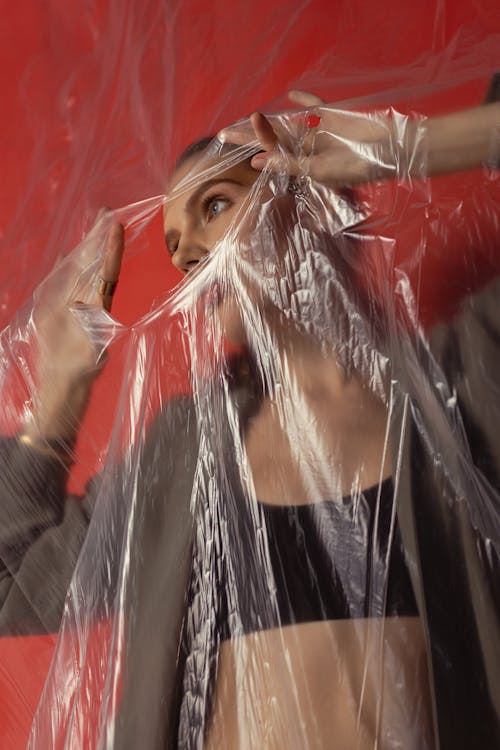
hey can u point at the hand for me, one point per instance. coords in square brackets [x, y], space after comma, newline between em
[69, 359]
[337, 148]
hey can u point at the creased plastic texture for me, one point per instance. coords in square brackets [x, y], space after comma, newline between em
[293, 539]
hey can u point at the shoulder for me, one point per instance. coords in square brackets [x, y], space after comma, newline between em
[472, 332]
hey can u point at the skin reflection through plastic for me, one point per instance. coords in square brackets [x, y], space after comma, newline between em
[315, 680]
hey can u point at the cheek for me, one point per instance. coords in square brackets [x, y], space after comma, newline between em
[218, 227]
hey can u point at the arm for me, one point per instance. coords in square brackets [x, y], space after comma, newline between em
[41, 534]
[463, 140]
[449, 491]
[468, 350]
[41, 529]
[341, 148]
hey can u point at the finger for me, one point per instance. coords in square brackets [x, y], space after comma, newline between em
[305, 98]
[276, 162]
[102, 213]
[110, 271]
[238, 136]
[264, 131]
[113, 253]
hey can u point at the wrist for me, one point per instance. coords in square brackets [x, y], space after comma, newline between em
[57, 415]
[55, 449]
[409, 145]
[401, 151]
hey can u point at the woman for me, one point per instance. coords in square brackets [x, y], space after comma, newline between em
[294, 449]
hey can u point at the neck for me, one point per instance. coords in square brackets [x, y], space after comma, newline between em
[326, 429]
[306, 365]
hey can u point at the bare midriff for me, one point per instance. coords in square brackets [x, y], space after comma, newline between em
[338, 685]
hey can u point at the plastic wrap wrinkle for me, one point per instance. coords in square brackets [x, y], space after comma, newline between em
[292, 537]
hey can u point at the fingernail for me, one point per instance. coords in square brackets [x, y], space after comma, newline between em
[258, 162]
[312, 121]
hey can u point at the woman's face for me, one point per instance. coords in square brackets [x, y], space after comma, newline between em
[196, 220]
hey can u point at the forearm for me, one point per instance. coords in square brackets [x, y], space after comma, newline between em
[33, 587]
[32, 493]
[42, 530]
[463, 140]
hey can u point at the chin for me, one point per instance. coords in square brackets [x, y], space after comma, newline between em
[231, 322]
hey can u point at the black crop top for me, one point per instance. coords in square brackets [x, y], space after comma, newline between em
[330, 560]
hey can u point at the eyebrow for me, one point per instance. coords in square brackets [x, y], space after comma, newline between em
[194, 198]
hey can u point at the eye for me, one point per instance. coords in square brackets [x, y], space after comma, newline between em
[215, 205]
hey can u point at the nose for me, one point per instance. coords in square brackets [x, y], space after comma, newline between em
[190, 250]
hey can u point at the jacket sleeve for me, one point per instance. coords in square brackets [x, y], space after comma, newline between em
[452, 518]
[41, 534]
[43, 529]
[468, 351]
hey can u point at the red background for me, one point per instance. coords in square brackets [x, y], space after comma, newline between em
[99, 97]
